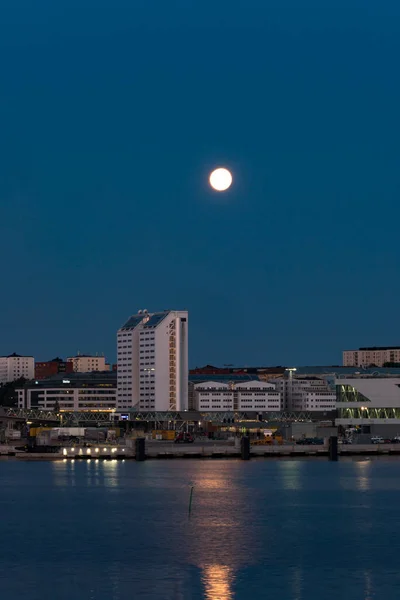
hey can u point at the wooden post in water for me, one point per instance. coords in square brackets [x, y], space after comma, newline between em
[245, 448]
[333, 448]
[190, 499]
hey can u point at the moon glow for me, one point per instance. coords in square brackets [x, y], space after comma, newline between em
[220, 179]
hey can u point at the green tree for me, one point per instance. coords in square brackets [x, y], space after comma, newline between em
[8, 393]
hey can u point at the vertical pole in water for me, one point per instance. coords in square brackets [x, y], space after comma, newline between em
[333, 448]
[245, 447]
[190, 500]
[140, 450]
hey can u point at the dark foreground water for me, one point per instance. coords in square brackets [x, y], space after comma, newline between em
[282, 529]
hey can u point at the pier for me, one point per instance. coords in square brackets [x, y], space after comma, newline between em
[210, 450]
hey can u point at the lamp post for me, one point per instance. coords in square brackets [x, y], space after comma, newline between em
[291, 369]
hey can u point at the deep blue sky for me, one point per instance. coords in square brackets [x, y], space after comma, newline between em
[112, 115]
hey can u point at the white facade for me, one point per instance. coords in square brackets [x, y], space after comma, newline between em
[249, 396]
[84, 363]
[211, 395]
[364, 357]
[153, 361]
[14, 367]
[368, 400]
[306, 393]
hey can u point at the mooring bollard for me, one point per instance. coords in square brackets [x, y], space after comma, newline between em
[140, 449]
[333, 448]
[245, 448]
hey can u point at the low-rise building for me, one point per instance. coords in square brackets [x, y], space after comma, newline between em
[306, 393]
[247, 396]
[75, 392]
[14, 366]
[86, 363]
[377, 356]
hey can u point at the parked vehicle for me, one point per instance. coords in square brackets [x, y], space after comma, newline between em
[184, 438]
[310, 442]
[377, 440]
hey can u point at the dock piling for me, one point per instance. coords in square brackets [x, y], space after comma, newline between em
[245, 448]
[140, 448]
[333, 448]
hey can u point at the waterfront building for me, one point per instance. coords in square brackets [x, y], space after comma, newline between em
[305, 393]
[87, 363]
[14, 366]
[247, 396]
[153, 361]
[48, 368]
[368, 400]
[74, 392]
[376, 356]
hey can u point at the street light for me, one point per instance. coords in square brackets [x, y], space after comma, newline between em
[291, 370]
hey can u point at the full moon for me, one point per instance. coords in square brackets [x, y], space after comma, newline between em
[220, 179]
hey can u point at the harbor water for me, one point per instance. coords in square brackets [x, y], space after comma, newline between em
[268, 528]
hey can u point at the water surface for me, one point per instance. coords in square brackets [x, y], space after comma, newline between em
[287, 529]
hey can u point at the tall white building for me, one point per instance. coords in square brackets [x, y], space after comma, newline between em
[14, 367]
[86, 363]
[153, 361]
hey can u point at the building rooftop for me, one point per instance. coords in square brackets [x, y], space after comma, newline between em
[14, 355]
[85, 356]
[221, 378]
[156, 319]
[378, 348]
[133, 321]
[94, 379]
[338, 370]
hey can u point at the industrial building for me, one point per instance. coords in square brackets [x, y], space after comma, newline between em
[153, 361]
[368, 400]
[75, 392]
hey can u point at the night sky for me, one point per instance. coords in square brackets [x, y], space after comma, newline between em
[112, 116]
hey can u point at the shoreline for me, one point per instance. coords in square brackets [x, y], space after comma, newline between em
[210, 453]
